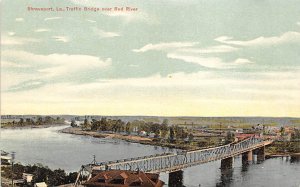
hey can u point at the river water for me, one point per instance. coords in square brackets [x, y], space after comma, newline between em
[57, 150]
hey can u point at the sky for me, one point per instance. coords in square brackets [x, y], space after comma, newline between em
[168, 58]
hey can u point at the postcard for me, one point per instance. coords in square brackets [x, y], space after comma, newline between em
[150, 93]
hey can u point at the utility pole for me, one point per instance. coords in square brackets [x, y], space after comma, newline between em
[12, 168]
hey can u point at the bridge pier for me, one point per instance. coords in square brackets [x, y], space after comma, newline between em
[226, 163]
[176, 179]
[244, 158]
[247, 157]
[260, 152]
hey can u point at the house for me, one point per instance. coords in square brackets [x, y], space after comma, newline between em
[123, 178]
[143, 133]
[40, 184]
[27, 177]
[242, 136]
[5, 160]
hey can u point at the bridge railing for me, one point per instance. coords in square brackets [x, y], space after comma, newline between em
[172, 161]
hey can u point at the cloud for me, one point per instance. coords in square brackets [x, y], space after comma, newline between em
[52, 18]
[202, 93]
[19, 19]
[7, 64]
[164, 46]
[241, 61]
[11, 33]
[298, 23]
[188, 52]
[61, 38]
[104, 34]
[41, 30]
[288, 37]
[210, 62]
[64, 64]
[13, 40]
[211, 49]
[91, 21]
[31, 84]
[53, 67]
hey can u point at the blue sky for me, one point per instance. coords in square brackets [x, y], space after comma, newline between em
[198, 58]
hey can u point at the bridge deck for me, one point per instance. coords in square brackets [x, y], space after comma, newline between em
[170, 162]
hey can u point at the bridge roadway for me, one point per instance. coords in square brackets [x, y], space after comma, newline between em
[171, 162]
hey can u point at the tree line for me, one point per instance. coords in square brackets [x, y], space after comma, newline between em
[40, 174]
[35, 121]
[159, 130]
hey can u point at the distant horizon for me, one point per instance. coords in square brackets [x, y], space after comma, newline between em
[148, 116]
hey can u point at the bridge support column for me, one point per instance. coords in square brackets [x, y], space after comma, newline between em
[176, 179]
[250, 156]
[260, 154]
[245, 158]
[227, 163]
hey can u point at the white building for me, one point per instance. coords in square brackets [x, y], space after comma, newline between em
[27, 177]
[40, 184]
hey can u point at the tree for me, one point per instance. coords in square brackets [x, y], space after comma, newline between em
[95, 125]
[21, 122]
[282, 131]
[229, 138]
[104, 126]
[171, 137]
[49, 120]
[85, 125]
[128, 128]
[191, 137]
[164, 128]
[39, 120]
[179, 132]
[73, 123]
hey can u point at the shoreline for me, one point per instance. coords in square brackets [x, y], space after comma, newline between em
[33, 126]
[150, 141]
[275, 155]
[127, 138]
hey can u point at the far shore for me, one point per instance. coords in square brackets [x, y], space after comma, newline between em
[33, 126]
[150, 141]
[128, 138]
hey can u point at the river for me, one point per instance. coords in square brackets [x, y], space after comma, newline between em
[57, 150]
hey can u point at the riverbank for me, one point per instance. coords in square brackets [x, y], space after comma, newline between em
[128, 138]
[32, 126]
[274, 155]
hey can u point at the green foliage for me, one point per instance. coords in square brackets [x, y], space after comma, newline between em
[229, 137]
[172, 133]
[73, 123]
[41, 174]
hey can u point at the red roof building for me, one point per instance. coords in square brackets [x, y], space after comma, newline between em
[242, 136]
[122, 178]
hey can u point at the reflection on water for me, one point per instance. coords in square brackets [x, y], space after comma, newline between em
[295, 159]
[226, 177]
[69, 152]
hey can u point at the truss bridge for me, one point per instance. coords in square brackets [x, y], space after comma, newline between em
[172, 162]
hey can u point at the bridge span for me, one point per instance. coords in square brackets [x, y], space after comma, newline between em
[172, 162]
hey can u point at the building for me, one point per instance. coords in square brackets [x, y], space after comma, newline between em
[40, 184]
[242, 136]
[27, 177]
[5, 160]
[123, 178]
